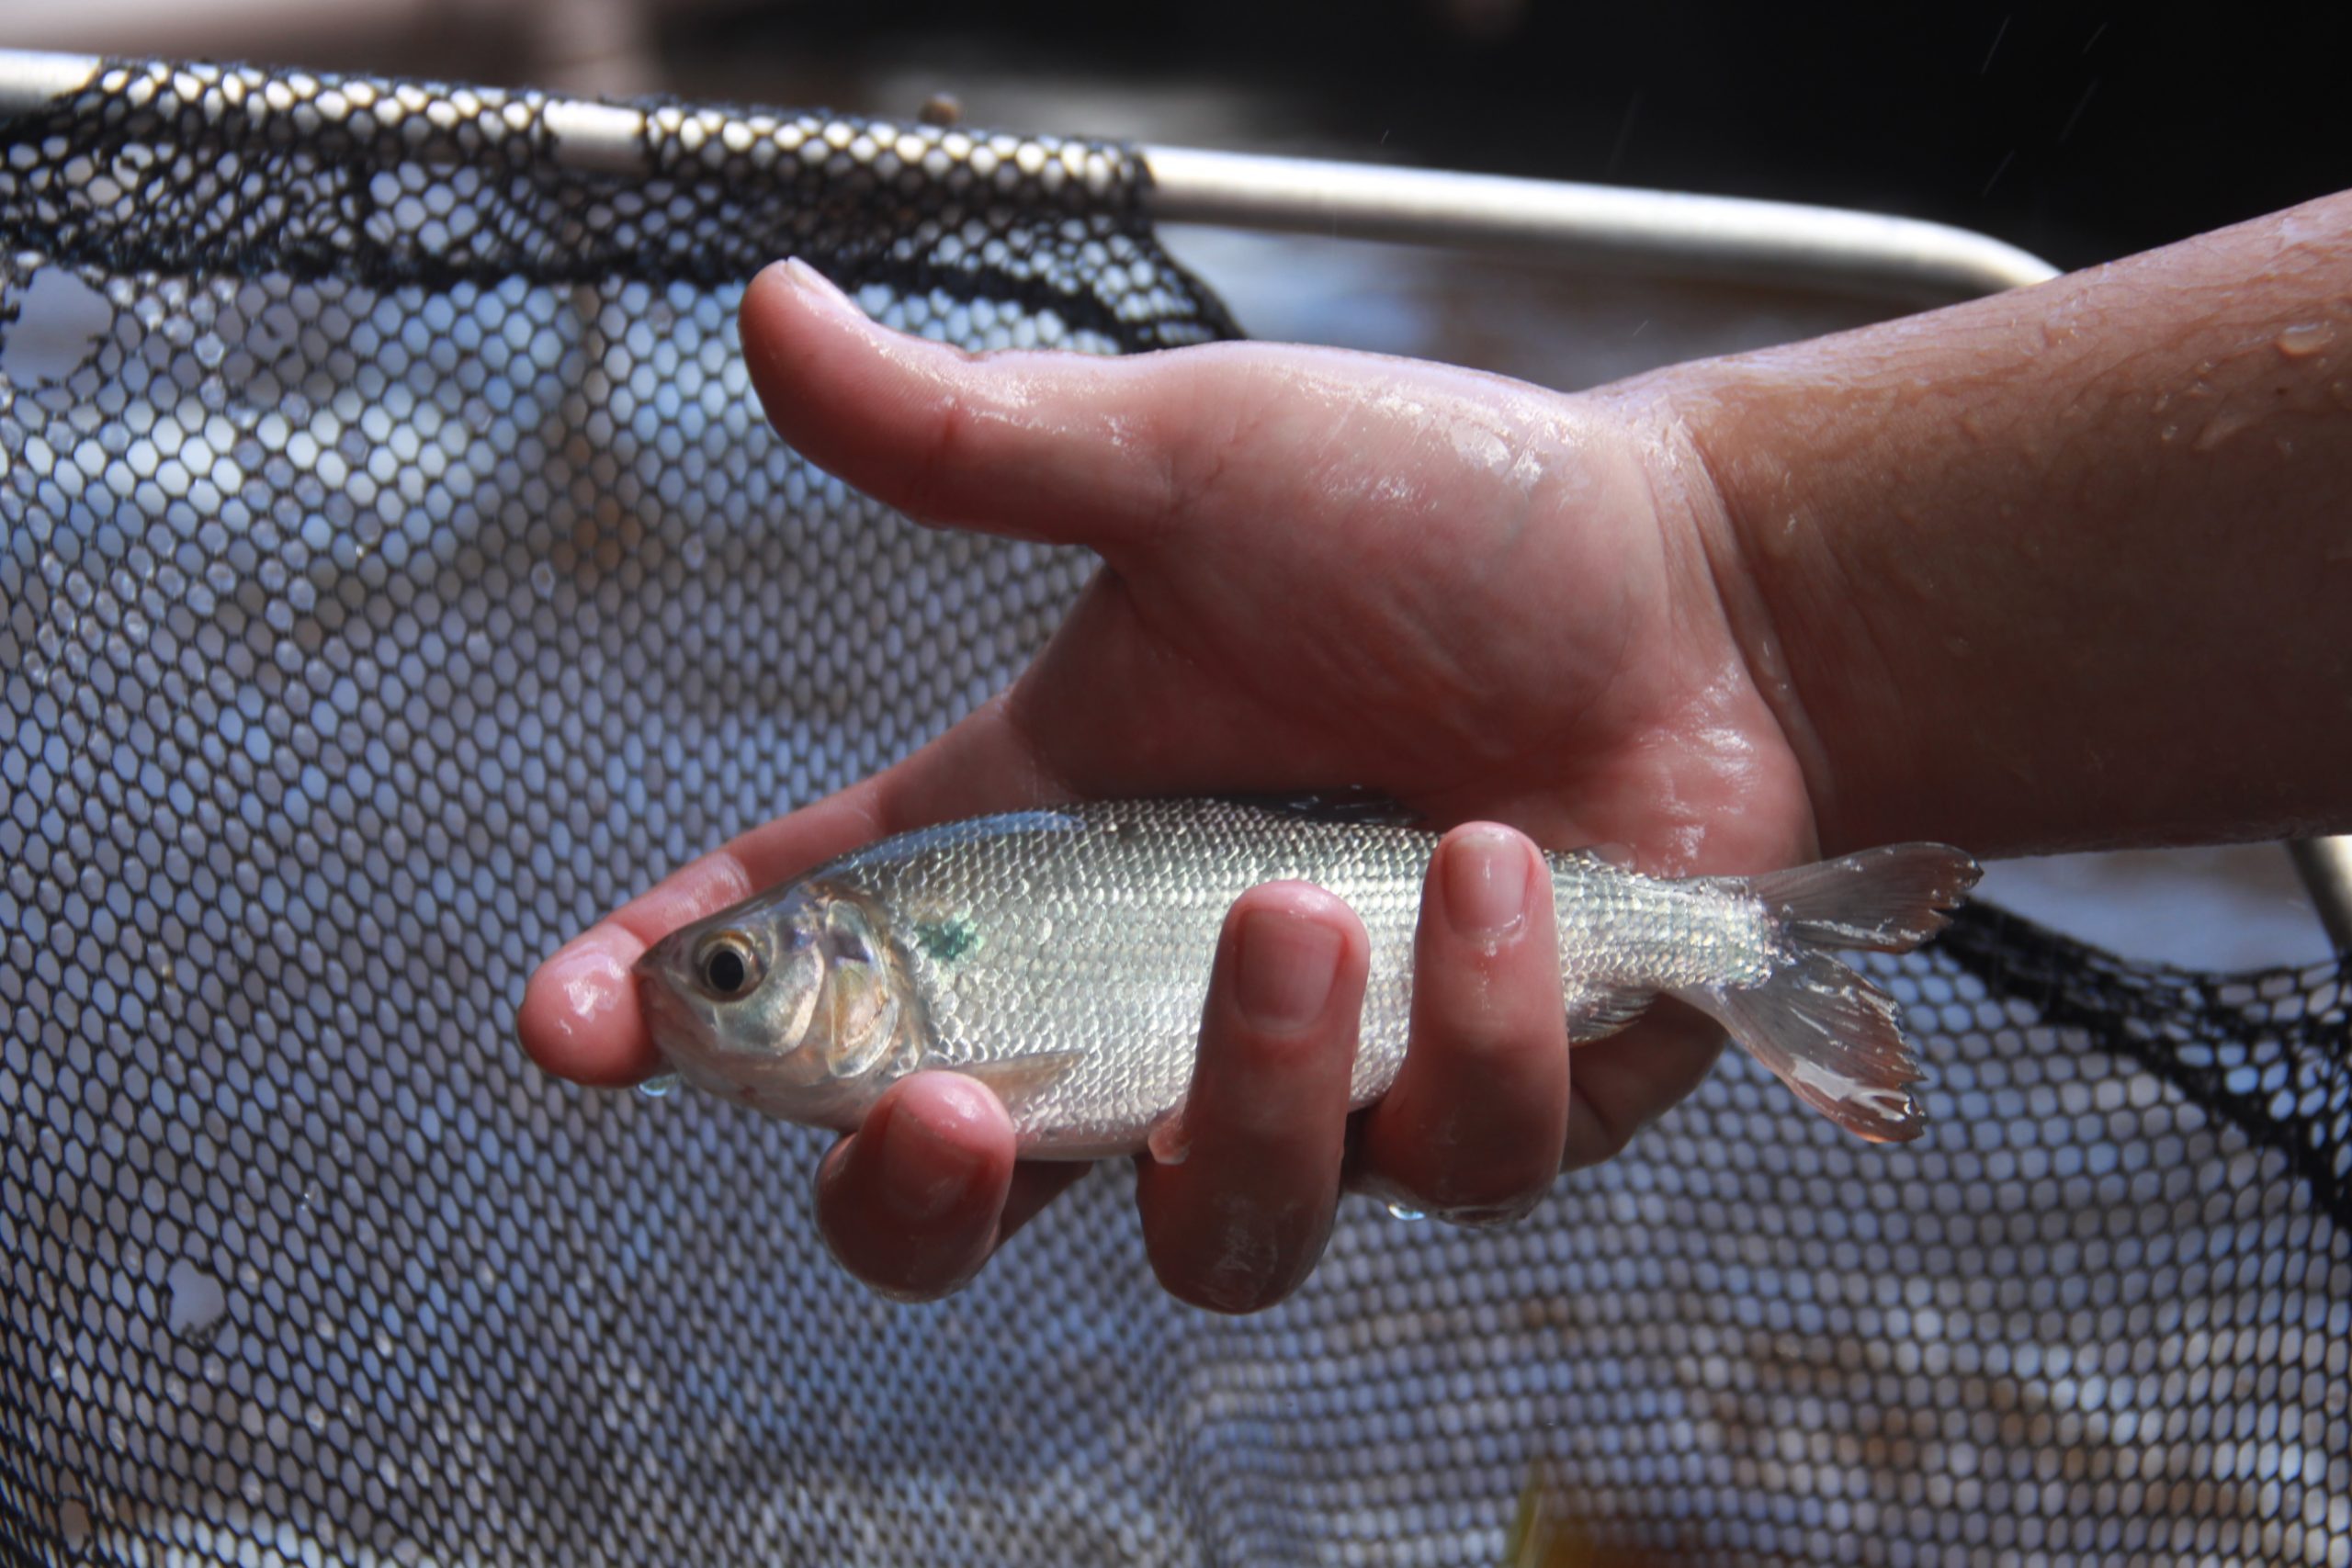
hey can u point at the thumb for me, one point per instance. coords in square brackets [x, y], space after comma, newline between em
[1074, 448]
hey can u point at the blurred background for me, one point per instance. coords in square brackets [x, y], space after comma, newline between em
[2079, 133]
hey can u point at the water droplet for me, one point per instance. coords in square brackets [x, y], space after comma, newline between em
[661, 1086]
[2306, 338]
[543, 578]
[197, 1302]
[2220, 427]
[383, 1343]
[693, 552]
[315, 1417]
[1400, 1211]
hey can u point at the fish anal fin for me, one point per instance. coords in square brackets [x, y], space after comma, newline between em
[1596, 1015]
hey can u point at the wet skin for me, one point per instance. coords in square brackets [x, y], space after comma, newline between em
[1728, 616]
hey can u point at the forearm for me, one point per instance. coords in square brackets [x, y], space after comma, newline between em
[2066, 567]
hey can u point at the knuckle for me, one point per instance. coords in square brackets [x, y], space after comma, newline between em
[914, 1294]
[1480, 1009]
[931, 479]
[1472, 1035]
[1490, 1217]
[1193, 470]
[1490, 1192]
[1490, 1078]
[1475, 1149]
[1230, 1298]
[1468, 1180]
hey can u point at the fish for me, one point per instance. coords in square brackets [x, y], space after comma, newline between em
[1061, 957]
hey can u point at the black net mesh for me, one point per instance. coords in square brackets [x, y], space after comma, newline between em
[396, 572]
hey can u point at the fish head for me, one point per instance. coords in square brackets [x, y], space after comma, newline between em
[791, 1001]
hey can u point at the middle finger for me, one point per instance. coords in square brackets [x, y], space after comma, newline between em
[1473, 1126]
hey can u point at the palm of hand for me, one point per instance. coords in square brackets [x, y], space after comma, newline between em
[1509, 614]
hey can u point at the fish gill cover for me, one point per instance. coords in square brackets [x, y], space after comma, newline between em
[395, 572]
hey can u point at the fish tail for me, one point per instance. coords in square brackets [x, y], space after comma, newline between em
[1821, 1028]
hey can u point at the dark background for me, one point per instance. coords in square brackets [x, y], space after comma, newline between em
[2080, 132]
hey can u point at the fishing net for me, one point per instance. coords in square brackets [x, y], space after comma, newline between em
[396, 572]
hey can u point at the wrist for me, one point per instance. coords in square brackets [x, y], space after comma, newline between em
[1705, 489]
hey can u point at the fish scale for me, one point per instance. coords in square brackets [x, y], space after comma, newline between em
[1063, 957]
[1110, 956]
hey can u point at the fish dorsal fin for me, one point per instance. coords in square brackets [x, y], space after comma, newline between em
[1351, 804]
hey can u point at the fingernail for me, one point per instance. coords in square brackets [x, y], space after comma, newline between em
[816, 283]
[923, 1174]
[1486, 884]
[1288, 964]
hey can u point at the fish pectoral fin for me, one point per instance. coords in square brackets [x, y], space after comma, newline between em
[1017, 1080]
[1596, 1015]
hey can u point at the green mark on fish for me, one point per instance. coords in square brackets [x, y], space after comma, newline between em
[947, 941]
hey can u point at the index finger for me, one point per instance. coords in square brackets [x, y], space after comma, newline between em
[580, 1018]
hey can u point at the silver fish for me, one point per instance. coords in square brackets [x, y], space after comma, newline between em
[1062, 957]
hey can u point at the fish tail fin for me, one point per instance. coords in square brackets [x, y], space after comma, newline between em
[1821, 1028]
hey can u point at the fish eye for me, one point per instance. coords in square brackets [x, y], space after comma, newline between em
[728, 966]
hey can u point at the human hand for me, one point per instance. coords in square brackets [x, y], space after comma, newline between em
[1487, 599]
